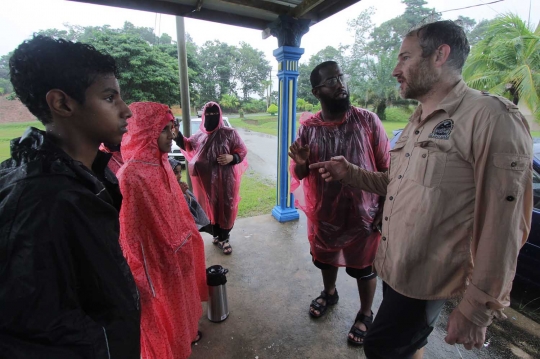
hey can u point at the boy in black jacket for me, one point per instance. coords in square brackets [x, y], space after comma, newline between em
[65, 288]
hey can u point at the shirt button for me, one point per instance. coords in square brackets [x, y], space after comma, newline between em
[416, 132]
[510, 198]
[513, 164]
[390, 198]
[400, 177]
[384, 238]
[424, 155]
[407, 155]
[386, 218]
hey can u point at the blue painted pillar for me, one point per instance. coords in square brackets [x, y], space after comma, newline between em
[287, 57]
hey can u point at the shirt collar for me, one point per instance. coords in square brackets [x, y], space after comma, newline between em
[449, 104]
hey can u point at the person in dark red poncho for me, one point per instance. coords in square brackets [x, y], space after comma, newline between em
[216, 156]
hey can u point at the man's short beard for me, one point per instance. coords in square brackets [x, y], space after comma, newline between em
[337, 105]
[424, 78]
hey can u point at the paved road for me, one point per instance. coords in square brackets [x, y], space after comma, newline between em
[262, 153]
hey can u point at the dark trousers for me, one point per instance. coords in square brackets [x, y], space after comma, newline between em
[401, 327]
[220, 233]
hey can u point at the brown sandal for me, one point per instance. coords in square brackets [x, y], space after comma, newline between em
[225, 246]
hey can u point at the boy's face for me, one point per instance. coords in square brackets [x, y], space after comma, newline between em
[103, 116]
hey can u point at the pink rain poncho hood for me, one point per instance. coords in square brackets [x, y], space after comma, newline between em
[340, 217]
[216, 187]
[160, 239]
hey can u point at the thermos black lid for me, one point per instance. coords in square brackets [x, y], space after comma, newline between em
[215, 275]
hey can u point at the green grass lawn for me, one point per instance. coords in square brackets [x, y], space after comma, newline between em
[10, 131]
[258, 195]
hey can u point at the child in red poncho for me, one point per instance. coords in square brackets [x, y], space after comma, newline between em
[159, 237]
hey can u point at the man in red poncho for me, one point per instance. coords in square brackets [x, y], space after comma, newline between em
[341, 219]
[159, 237]
[216, 156]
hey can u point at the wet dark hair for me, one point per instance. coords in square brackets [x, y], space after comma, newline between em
[447, 32]
[315, 77]
[42, 64]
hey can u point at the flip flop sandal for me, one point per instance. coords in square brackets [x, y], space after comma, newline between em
[215, 241]
[315, 305]
[359, 333]
[224, 245]
[199, 337]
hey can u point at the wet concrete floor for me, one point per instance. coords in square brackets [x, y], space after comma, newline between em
[271, 282]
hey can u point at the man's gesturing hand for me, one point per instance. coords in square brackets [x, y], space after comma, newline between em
[462, 331]
[299, 154]
[333, 170]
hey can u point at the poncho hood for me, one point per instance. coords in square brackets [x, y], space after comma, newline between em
[220, 123]
[144, 128]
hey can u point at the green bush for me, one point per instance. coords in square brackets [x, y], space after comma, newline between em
[2, 90]
[308, 107]
[12, 96]
[317, 107]
[272, 109]
[241, 113]
[254, 106]
[398, 114]
[300, 104]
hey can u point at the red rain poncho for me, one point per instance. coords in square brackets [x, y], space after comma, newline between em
[160, 239]
[340, 217]
[216, 187]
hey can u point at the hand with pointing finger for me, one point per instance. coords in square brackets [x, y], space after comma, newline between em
[334, 170]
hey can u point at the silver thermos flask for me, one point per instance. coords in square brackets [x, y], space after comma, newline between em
[218, 308]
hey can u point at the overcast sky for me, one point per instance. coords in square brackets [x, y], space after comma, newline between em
[20, 18]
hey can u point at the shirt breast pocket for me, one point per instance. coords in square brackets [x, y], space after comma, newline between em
[428, 164]
[395, 154]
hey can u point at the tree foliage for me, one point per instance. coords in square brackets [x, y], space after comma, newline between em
[388, 36]
[5, 83]
[251, 70]
[215, 58]
[147, 72]
[148, 66]
[507, 62]
[229, 102]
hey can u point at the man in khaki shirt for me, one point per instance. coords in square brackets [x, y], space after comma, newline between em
[458, 200]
